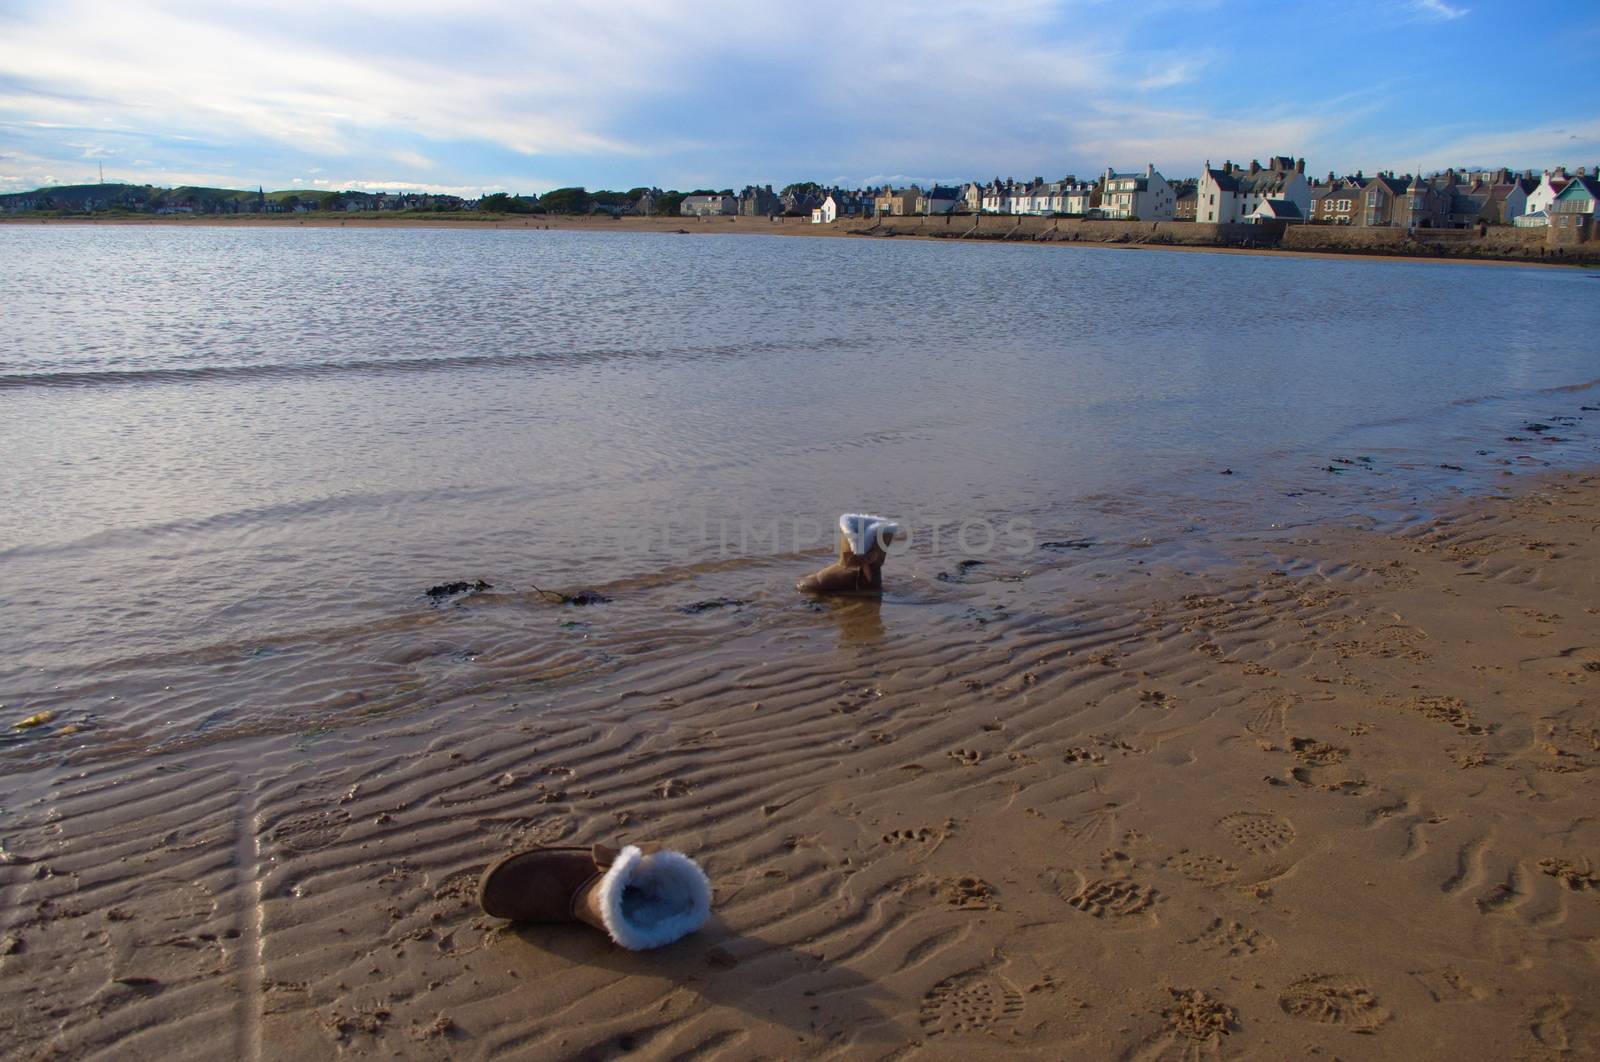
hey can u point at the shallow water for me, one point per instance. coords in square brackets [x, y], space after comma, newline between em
[232, 460]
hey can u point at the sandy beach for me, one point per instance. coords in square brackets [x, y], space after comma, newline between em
[1331, 797]
[733, 226]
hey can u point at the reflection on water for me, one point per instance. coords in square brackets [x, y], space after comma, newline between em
[234, 459]
[859, 620]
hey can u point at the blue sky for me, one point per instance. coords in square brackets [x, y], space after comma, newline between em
[478, 95]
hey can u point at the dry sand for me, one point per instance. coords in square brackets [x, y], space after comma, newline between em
[1334, 798]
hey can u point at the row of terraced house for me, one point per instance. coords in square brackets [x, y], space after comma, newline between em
[1277, 191]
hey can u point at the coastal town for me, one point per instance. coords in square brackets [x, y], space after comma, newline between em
[1227, 193]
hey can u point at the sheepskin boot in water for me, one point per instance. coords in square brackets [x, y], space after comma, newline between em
[863, 546]
[640, 899]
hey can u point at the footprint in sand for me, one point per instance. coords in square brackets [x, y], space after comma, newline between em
[854, 700]
[966, 894]
[1259, 832]
[1452, 710]
[1202, 869]
[966, 757]
[973, 1001]
[1576, 876]
[1097, 828]
[310, 831]
[157, 932]
[1315, 753]
[1530, 622]
[1564, 747]
[1388, 642]
[1551, 1027]
[1195, 1015]
[1233, 939]
[1115, 899]
[1266, 712]
[1448, 985]
[1334, 999]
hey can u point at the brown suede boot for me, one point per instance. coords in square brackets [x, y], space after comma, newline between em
[863, 547]
[641, 899]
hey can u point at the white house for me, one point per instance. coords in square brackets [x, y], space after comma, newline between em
[1235, 193]
[1066, 196]
[700, 206]
[1276, 210]
[998, 196]
[840, 204]
[1030, 198]
[940, 199]
[1550, 186]
[1076, 197]
[1146, 196]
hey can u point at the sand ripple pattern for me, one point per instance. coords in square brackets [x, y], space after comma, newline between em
[1178, 893]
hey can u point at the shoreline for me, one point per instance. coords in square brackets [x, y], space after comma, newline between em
[765, 227]
[1341, 789]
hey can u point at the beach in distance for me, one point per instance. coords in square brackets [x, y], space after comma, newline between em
[1497, 244]
[1234, 690]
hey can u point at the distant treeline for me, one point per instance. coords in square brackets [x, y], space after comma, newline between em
[150, 199]
[583, 201]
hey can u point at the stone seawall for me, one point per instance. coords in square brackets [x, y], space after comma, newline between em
[1497, 242]
[1004, 227]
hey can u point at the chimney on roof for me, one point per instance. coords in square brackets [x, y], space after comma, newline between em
[1255, 167]
[1300, 165]
[1149, 169]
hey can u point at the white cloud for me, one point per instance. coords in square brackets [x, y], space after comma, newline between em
[1571, 143]
[469, 191]
[263, 70]
[413, 159]
[1438, 10]
[1171, 71]
[414, 93]
[541, 78]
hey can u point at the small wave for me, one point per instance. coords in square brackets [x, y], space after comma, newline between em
[79, 378]
[264, 515]
[1419, 415]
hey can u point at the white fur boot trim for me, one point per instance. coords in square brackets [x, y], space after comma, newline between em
[863, 529]
[650, 900]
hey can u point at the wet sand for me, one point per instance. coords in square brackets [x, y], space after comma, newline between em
[742, 226]
[1332, 797]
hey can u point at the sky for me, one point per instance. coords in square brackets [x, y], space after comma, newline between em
[472, 96]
